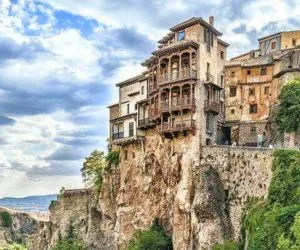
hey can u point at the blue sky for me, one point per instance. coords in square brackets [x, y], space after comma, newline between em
[60, 61]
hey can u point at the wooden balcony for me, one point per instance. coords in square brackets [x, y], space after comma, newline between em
[177, 104]
[120, 140]
[145, 123]
[177, 76]
[212, 106]
[153, 113]
[152, 86]
[180, 125]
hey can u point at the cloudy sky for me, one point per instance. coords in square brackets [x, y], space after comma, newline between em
[60, 60]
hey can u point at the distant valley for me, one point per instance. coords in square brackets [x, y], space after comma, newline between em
[30, 203]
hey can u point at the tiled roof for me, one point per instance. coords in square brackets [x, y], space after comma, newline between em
[261, 60]
[223, 42]
[195, 20]
[131, 80]
[176, 46]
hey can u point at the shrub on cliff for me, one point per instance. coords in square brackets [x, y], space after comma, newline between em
[70, 241]
[227, 245]
[15, 247]
[96, 165]
[112, 159]
[154, 238]
[6, 219]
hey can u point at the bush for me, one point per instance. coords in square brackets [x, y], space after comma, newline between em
[227, 245]
[112, 159]
[70, 241]
[15, 247]
[154, 238]
[285, 184]
[6, 219]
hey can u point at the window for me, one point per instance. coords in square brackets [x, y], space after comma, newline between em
[251, 91]
[209, 124]
[232, 91]
[222, 80]
[131, 132]
[222, 54]
[208, 37]
[273, 45]
[135, 106]
[133, 155]
[181, 35]
[253, 109]
[267, 90]
[232, 74]
[232, 111]
[125, 155]
[142, 90]
[294, 42]
[128, 110]
[253, 129]
[248, 72]
[263, 71]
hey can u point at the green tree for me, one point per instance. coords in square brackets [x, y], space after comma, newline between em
[70, 241]
[6, 219]
[293, 242]
[288, 111]
[152, 239]
[93, 168]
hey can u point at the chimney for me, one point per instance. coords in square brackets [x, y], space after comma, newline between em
[211, 20]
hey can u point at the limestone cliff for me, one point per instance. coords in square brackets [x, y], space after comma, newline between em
[22, 226]
[198, 194]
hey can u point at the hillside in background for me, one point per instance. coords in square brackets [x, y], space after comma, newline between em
[30, 203]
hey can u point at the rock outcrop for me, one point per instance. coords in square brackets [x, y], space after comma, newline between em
[199, 198]
[22, 226]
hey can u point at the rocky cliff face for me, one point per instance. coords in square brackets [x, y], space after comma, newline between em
[22, 226]
[199, 198]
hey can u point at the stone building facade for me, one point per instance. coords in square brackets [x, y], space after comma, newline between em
[190, 88]
[124, 115]
[185, 81]
[252, 86]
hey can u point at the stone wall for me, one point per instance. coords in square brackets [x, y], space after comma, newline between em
[240, 175]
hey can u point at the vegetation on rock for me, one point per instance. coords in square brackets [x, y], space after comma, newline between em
[154, 238]
[15, 246]
[288, 111]
[6, 219]
[70, 241]
[96, 165]
[274, 224]
[227, 245]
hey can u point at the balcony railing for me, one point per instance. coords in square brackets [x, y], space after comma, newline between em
[152, 86]
[153, 112]
[144, 122]
[178, 104]
[209, 77]
[118, 136]
[177, 76]
[178, 125]
[212, 106]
